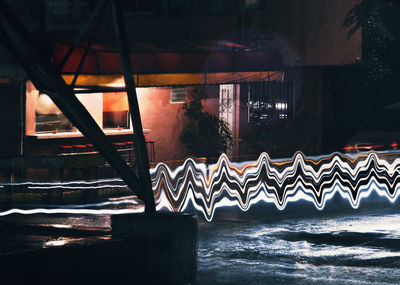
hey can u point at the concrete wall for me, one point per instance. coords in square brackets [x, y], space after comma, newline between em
[309, 31]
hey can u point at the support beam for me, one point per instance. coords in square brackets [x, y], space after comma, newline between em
[99, 15]
[45, 76]
[97, 89]
[100, 6]
[142, 159]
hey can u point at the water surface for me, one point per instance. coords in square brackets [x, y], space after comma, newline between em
[360, 247]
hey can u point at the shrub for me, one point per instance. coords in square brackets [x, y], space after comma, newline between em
[204, 134]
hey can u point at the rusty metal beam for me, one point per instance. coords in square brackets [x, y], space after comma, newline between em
[45, 76]
[142, 159]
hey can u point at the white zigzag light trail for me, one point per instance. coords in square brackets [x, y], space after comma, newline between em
[314, 179]
[276, 181]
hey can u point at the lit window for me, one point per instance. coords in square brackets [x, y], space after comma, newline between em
[269, 101]
[109, 110]
[48, 117]
[115, 111]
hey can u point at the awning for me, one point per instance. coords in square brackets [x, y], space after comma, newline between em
[174, 79]
[164, 68]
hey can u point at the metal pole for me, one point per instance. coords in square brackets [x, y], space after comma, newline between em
[139, 141]
[100, 6]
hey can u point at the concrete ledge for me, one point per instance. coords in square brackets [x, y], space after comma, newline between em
[159, 249]
[169, 244]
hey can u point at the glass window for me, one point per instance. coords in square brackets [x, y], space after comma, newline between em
[115, 111]
[270, 101]
[109, 110]
[48, 117]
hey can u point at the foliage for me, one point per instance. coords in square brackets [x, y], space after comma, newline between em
[205, 134]
[379, 40]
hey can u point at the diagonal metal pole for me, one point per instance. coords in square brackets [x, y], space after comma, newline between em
[89, 44]
[139, 141]
[96, 14]
[44, 75]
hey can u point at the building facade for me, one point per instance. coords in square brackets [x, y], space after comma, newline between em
[267, 67]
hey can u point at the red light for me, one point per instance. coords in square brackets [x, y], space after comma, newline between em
[363, 147]
[370, 146]
[394, 145]
[349, 147]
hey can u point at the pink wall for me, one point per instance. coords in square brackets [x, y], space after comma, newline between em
[165, 120]
[211, 105]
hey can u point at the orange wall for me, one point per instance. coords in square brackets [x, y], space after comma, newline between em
[115, 101]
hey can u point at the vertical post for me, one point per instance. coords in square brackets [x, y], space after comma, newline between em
[142, 159]
[11, 187]
[55, 174]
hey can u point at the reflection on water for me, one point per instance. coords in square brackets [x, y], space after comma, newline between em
[361, 248]
[60, 241]
[296, 246]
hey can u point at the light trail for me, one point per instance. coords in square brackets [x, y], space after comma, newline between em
[71, 211]
[279, 182]
[76, 187]
[80, 182]
[89, 205]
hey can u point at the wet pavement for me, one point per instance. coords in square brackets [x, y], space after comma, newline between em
[262, 246]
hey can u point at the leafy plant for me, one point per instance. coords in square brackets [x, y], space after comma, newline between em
[204, 134]
[379, 40]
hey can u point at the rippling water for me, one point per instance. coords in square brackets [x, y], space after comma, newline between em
[360, 247]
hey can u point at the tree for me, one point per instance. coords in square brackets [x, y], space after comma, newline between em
[204, 134]
[378, 20]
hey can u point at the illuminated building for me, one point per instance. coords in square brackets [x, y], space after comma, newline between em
[270, 67]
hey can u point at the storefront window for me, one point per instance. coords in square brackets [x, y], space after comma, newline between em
[109, 110]
[48, 117]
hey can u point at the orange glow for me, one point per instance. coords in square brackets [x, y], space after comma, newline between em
[172, 79]
[115, 102]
